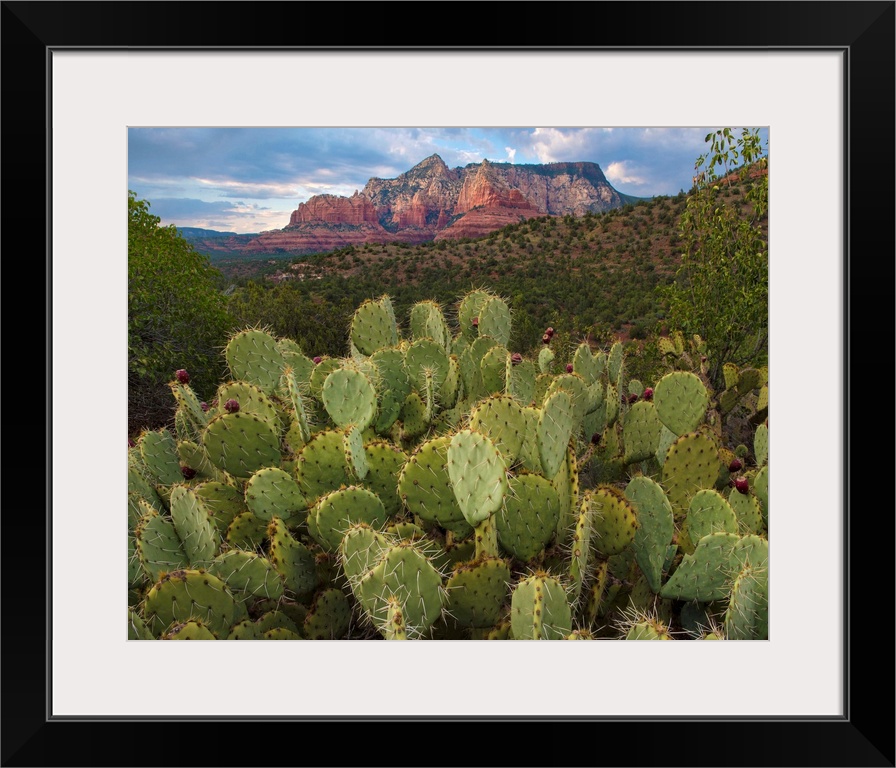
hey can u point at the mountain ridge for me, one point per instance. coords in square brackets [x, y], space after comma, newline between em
[432, 202]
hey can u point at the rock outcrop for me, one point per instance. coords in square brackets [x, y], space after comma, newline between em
[332, 209]
[434, 202]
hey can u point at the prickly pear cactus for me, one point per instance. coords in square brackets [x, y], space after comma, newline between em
[681, 401]
[478, 474]
[539, 609]
[373, 327]
[254, 357]
[433, 482]
[349, 397]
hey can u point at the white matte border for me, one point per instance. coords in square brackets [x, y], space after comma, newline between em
[96, 95]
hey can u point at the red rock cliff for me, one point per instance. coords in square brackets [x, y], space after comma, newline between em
[332, 209]
[432, 201]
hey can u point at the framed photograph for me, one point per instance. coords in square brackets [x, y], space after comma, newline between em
[818, 76]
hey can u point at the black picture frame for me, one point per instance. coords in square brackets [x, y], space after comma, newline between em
[864, 31]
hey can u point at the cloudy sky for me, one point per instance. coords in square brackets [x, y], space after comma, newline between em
[250, 179]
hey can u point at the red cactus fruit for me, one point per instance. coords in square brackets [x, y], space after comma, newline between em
[475, 322]
[736, 465]
[203, 405]
[569, 367]
[595, 438]
[516, 358]
[742, 485]
[545, 339]
[182, 376]
[633, 398]
[550, 332]
[231, 406]
[317, 360]
[648, 394]
[188, 472]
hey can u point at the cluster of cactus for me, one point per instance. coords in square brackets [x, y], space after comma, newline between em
[432, 484]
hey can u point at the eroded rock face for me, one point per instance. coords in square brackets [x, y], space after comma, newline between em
[333, 209]
[433, 202]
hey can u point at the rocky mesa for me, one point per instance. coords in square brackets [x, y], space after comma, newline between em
[433, 202]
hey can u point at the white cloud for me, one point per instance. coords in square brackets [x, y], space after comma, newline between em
[552, 145]
[226, 188]
[623, 172]
[511, 153]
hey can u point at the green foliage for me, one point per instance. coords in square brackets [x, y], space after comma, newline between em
[319, 324]
[361, 500]
[176, 317]
[721, 290]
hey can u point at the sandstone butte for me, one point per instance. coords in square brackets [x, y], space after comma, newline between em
[434, 202]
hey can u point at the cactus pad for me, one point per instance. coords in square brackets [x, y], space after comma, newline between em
[709, 512]
[681, 401]
[494, 320]
[252, 401]
[329, 617]
[493, 370]
[747, 510]
[641, 431]
[554, 429]
[580, 550]
[405, 574]
[648, 630]
[477, 591]
[545, 358]
[253, 356]
[760, 488]
[222, 503]
[615, 520]
[747, 615]
[271, 492]
[349, 397]
[158, 546]
[360, 550]
[585, 364]
[522, 382]
[539, 609]
[193, 526]
[691, 464]
[295, 360]
[527, 521]
[241, 443]
[159, 453]
[189, 630]
[355, 456]
[427, 321]
[501, 419]
[760, 445]
[425, 486]
[478, 475]
[468, 310]
[703, 575]
[183, 595]
[385, 461]
[247, 574]
[656, 527]
[291, 559]
[334, 513]
[321, 466]
[246, 531]
[373, 327]
[615, 358]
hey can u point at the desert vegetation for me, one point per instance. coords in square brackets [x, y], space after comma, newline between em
[530, 436]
